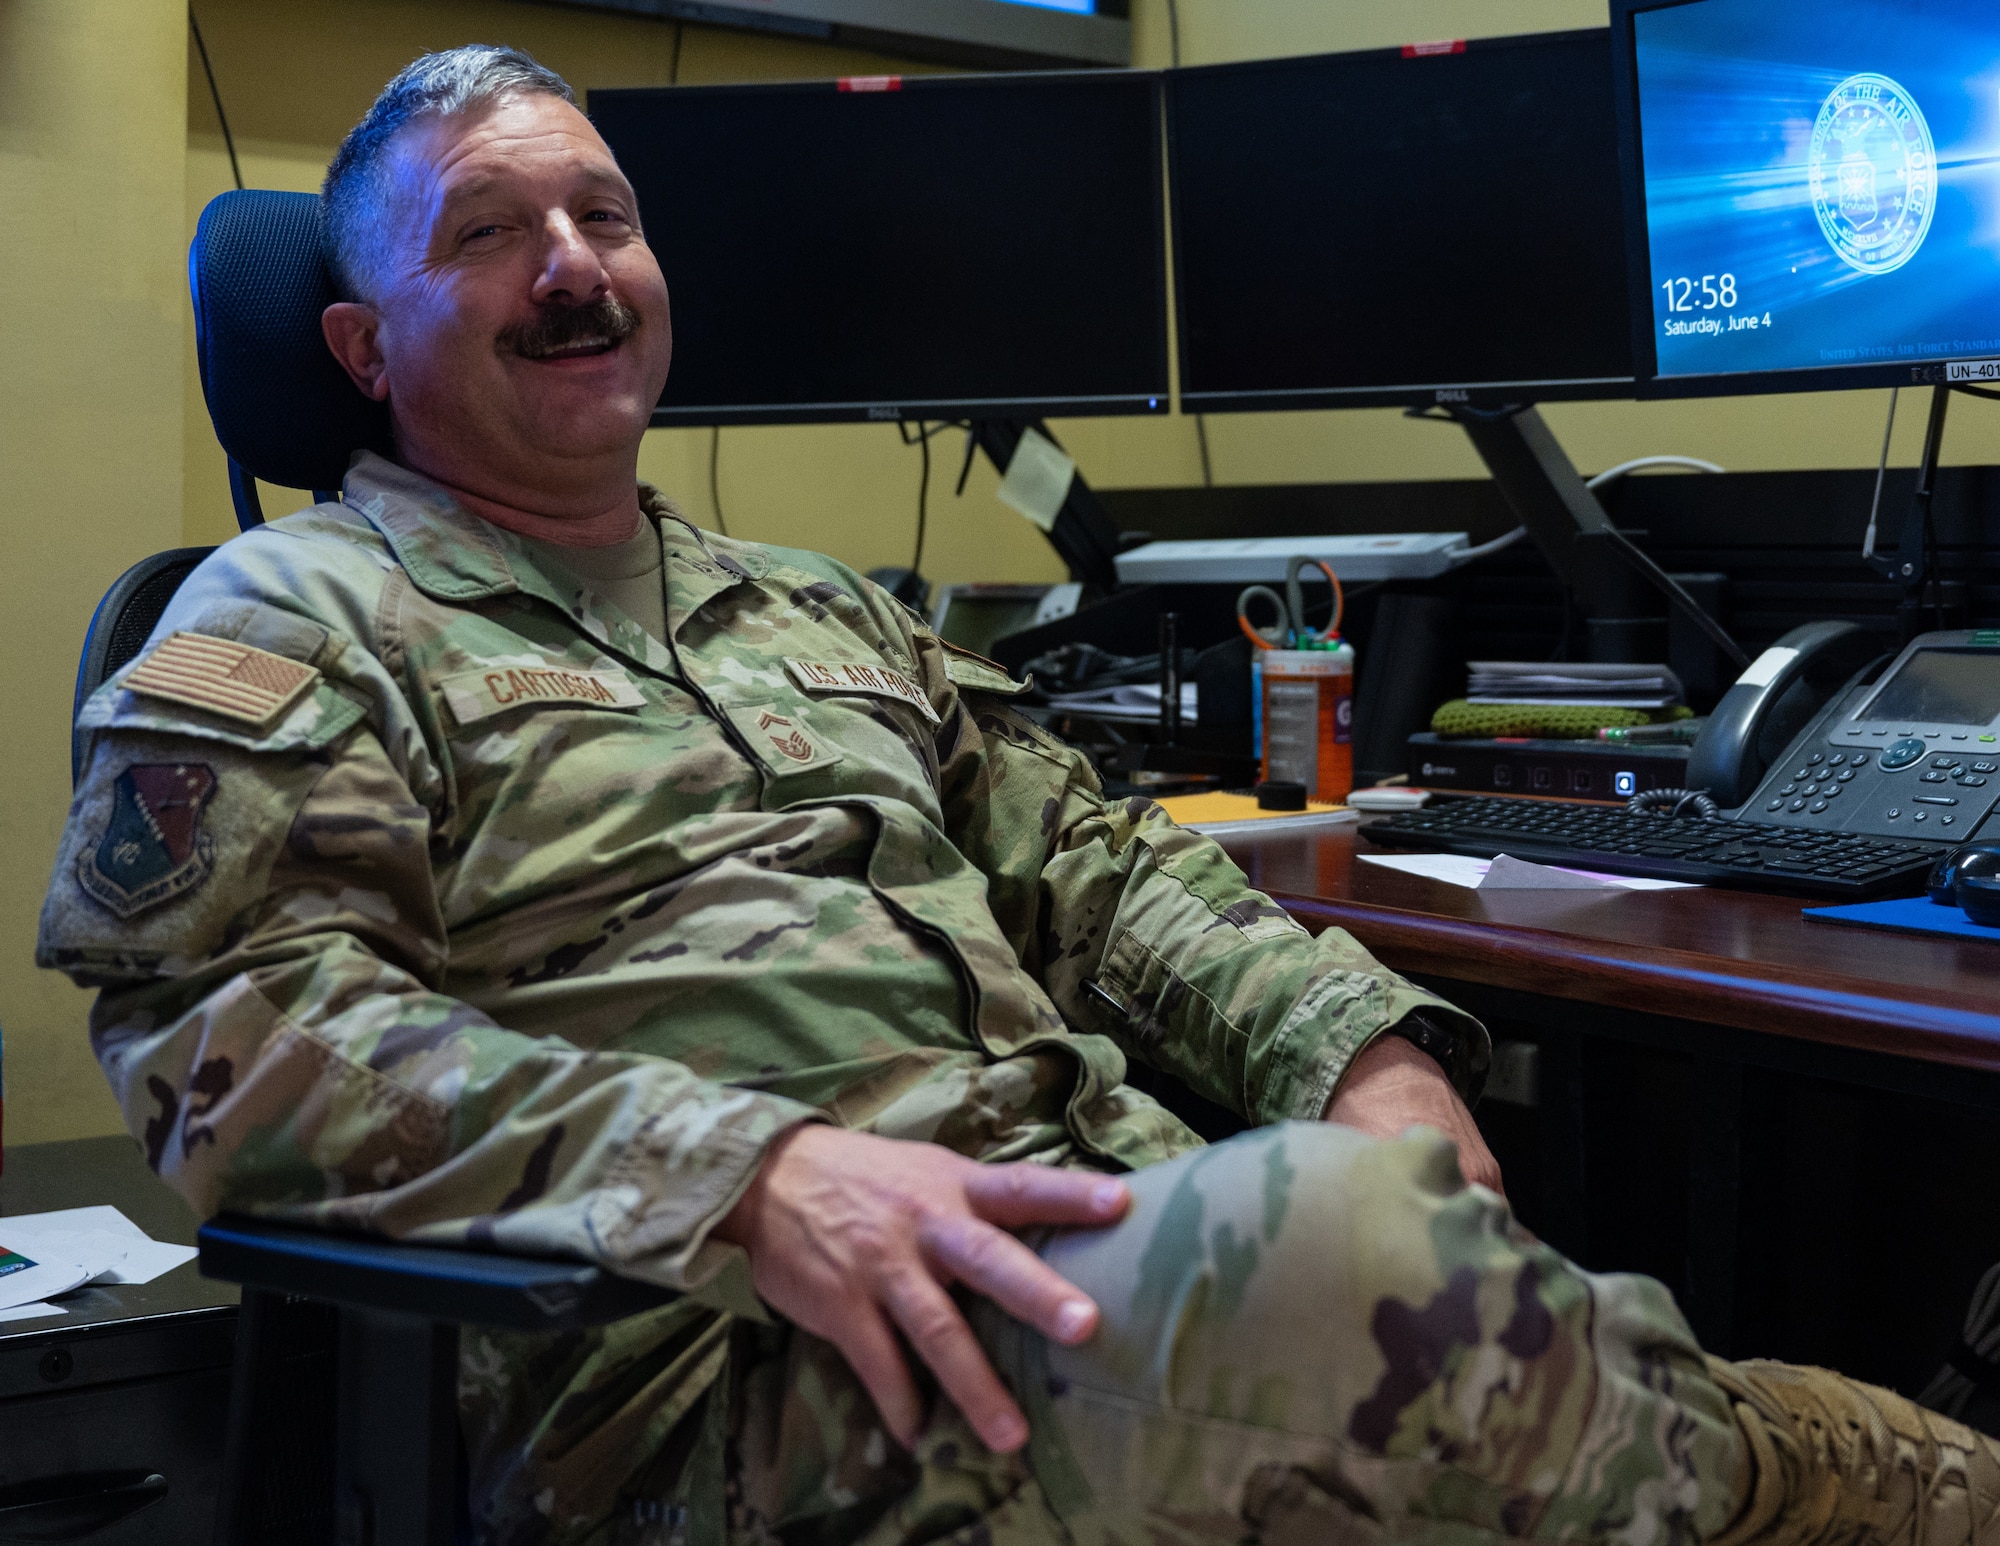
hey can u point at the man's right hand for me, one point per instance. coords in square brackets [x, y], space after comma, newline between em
[854, 1238]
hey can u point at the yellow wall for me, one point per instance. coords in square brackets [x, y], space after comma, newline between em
[107, 156]
[90, 437]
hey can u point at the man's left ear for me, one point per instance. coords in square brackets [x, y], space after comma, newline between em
[350, 329]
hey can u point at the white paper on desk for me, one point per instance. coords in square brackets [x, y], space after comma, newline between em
[29, 1273]
[1459, 870]
[31, 1312]
[127, 1253]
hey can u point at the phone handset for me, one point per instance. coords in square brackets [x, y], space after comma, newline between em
[1770, 704]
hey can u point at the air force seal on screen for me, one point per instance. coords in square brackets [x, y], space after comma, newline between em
[1873, 172]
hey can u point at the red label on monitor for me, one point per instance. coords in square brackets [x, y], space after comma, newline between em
[871, 83]
[1432, 50]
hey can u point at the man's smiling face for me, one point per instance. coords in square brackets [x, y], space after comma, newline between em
[519, 320]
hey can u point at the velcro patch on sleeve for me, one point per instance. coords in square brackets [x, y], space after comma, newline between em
[152, 848]
[477, 695]
[850, 676]
[234, 680]
[980, 674]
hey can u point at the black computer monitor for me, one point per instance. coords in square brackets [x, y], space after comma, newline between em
[1438, 223]
[904, 248]
[1814, 191]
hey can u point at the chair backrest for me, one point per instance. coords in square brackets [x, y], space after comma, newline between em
[120, 626]
[282, 407]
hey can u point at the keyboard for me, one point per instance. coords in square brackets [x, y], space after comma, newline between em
[1747, 855]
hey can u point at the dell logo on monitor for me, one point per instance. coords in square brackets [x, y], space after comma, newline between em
[1453, 395]
[886, 415]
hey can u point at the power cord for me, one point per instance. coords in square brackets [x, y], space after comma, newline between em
[923, 503]
[715, 478]
[215, 96]
[921, 438]
[1674, 802]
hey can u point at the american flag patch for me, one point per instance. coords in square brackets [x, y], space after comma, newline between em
[222, 676]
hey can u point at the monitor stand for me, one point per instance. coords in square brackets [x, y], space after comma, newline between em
[1623, 621]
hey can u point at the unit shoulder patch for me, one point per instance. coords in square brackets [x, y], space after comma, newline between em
[477, 695]
[853, 676]
[237, 681]
[152, 848]
[783, 742]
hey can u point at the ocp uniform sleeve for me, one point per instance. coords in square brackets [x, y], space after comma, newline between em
[259, 912]
[1148, 932]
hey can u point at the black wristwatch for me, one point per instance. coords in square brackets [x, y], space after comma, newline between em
[1443, 1045]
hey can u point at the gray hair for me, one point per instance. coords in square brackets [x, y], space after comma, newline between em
[438, 85]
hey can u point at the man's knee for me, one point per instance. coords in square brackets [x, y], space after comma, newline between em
[1268, 1260]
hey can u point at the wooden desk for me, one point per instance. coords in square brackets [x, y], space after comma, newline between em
[1789, 1122]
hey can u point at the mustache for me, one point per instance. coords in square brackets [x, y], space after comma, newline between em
[600, 322]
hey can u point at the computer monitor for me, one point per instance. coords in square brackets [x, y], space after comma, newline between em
[1438, 223]
[936, 247]
[1004, 32]
[1814, 191]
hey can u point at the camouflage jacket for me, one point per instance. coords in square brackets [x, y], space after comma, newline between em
[428, 894]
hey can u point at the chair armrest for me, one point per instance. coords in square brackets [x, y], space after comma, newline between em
[474, 1288]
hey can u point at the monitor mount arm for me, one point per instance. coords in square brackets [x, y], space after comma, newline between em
[1911, 565]
[1589, 555]
[1083, 534]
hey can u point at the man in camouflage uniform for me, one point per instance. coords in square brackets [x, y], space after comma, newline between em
[492, 857]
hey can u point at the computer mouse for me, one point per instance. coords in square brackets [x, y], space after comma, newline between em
[1979, 895]
[1968, 859]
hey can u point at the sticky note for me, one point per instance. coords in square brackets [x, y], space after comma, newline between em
[1038, 479]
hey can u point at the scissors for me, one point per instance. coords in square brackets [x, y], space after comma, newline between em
[1290, 630]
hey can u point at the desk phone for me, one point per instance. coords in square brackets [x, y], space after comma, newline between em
[1913, 754]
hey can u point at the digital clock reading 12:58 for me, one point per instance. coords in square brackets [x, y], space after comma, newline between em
[1711, 292]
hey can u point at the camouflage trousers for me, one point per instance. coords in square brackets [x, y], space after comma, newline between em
[1308, 1336]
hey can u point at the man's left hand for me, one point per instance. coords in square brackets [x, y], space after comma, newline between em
[1392, 1086]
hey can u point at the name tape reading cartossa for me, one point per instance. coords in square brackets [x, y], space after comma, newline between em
[477, 695]
[847, 676]
[234, 680]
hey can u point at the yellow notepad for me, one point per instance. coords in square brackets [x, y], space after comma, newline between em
[1217, 813]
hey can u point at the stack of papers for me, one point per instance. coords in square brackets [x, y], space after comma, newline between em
[1135, 701]
[46, 1254]
[1584, 685]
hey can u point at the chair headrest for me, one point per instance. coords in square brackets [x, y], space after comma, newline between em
[283, 408]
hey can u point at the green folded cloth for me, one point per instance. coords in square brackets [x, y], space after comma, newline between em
[1461, 719]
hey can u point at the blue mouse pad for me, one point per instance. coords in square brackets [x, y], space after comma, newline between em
[1906, 915]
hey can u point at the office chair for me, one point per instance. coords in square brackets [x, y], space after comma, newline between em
[343, 1417]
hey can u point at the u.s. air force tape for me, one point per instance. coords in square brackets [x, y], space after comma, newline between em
[477, 695]
[849, 676]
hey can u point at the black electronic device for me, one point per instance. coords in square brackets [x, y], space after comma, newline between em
[1749, 855]
[1809, 203]
[1914, 753]
[1400, 226]
[919, 247]
[1760, 716]
[1547, 769]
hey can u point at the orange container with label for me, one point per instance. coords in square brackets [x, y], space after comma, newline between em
[1308, 719]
